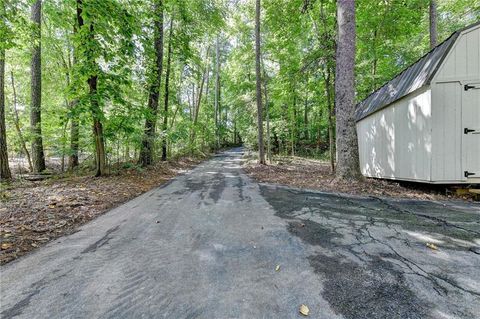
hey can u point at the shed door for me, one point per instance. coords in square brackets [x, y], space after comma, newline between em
[471, 130]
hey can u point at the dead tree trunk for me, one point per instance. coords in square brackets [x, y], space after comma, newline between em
[5, 173]
[147, 148]
[36, 90]
[261, 149]
[347, 143]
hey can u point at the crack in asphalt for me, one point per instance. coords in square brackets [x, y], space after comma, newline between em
[405, 261]
[34, 289]
[355, 217]
[433, 218]
[102, 241]
[429, 276]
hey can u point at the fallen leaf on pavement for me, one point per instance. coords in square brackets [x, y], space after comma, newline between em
[304, 310]
[6, 246]
[432, 246]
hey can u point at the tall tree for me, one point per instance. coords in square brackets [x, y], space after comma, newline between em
[217, 91]
[167, 92]
[100, 155]
[147, 148]
[261, 149]
[267, 111]
[196, 108]
[331, 122]
[4, 167]
[433, 24]
[347, 144]
[38, 155]
[74, 123]
[87, 42]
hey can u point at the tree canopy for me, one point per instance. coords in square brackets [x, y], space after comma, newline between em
[100, 68]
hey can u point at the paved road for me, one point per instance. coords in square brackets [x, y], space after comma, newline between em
[207, 244]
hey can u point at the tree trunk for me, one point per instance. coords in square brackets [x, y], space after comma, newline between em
[74, 137]
[74, 125]
[217, 91]
[100, 160]
[433, 24]
[4, 167]
[191, 102]
[294, 123]
[17, 124]
[64, 134]
[267, 111]
[305, 119]
[347, 143]
[167, 80]
[199, 99]
[234, 132]
[36, 91]
[261, 150]
[375, 61]
[179, 100]
[331, 122]
[147, 148]
[97, 128]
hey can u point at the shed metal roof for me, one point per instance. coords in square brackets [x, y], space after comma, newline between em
[409, 80]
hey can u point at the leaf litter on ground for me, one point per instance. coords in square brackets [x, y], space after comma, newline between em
[316, 174]
[34, 213]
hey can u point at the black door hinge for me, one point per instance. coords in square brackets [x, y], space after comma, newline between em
[467, 130]
[467, 174]
[468, 87]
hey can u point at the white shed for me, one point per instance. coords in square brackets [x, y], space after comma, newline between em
[424, 124]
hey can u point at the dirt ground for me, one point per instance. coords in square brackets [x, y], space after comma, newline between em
[315, 174]
[34, 213]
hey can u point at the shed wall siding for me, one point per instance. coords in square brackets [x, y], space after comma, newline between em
[396, 141]
[462, 62]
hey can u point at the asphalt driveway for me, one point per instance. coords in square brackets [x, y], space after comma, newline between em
[207, 245]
